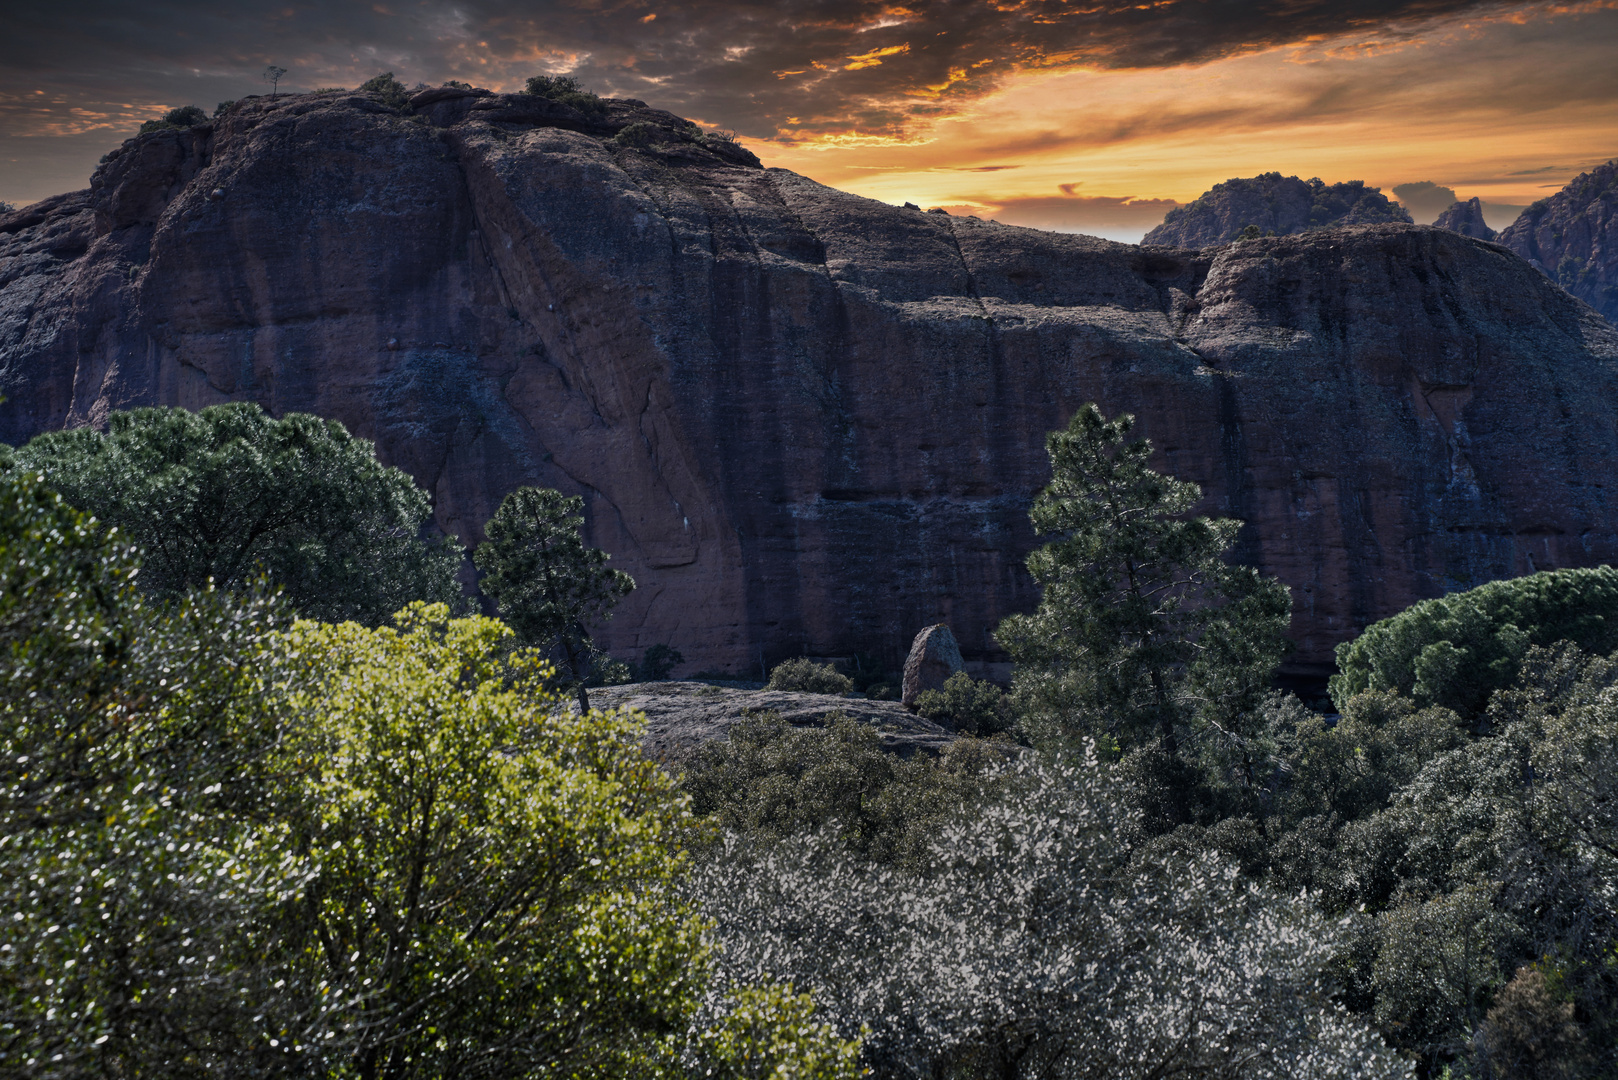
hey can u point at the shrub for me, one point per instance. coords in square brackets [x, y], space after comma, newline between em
[1457, 650]
[386, 89]
[656, 663]
[186, 116]
[1034, 944]
[641, 135]
[805, 676]
[565, 90]
[769, 780]
[967, 705]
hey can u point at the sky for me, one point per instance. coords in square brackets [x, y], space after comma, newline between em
[1079, 115]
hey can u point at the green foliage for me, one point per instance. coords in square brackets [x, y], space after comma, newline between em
[133, 745]
[223, 107]
[546, 583]
[1457, 650]
[229, 493]
[386, 89]
[769, 1033]
[656, 663]
[566, 90]
[186, 116]
[641, 135]
[967, 706]
[491, 889]
[1143, 633]
[805, 676]
[770, 780]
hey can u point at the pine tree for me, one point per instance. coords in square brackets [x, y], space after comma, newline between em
[546, 583]
[1144, 633]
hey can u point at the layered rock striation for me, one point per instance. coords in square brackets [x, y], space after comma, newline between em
[1272, 205]
[807, 422]
[1573, 237]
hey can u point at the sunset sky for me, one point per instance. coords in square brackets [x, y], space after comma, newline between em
[1088, 116]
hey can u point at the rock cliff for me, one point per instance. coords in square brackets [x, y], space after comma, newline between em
[1274, 205]
[1466, 218]
[805, 421]
[1573, 237]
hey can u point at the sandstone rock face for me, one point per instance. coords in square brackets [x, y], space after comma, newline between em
[1466, 218]
[1573, 237]
[806, 422]
[1273, 204]
[934, 657]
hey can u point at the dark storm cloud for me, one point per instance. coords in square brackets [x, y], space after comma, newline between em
[758, 66]
[1424, 199]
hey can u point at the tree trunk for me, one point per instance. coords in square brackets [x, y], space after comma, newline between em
[572, 652]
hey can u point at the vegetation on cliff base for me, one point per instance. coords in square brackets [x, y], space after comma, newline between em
[230, 846]
[229, 493]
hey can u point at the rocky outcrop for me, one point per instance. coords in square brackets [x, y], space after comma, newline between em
[806, 422]
[1466, 218]
[1573, 237]
[1272, 205]
[682, 716]
[934, 657]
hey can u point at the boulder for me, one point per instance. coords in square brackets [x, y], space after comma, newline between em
[934, 657]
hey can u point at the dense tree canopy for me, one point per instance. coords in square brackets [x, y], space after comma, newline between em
[235, 846]
[229, 493]
[1457, 650]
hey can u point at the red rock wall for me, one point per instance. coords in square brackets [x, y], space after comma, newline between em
[805, 421]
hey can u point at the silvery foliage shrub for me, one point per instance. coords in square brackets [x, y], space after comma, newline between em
[1035, 946]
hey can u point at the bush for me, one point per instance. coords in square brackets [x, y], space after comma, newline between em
[386, 89]
[805, 676]
[641, 135]
[186, 116]
[1034, 944]
[656, 663]
[967, 705]
[565, 90]
[769, 780]
[1457, 650]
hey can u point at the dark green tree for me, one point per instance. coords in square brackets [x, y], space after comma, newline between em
[273, 75]
[229, 493]
[1457, 650]
[544, 580]
[1144, 634]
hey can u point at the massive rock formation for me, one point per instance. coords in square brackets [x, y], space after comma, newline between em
[1466, 218]
[1573, 237]
[1275, 205]
[805, 421]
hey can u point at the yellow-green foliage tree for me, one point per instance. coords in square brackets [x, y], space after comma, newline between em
[492, 890]
[233, 848]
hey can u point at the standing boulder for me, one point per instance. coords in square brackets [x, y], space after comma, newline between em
[934, 657]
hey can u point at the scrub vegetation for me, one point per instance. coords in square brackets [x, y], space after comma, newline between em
[270, 805]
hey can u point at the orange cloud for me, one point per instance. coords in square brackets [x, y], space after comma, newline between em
[874, 57]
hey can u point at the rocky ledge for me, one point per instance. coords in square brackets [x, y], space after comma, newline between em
[681, 716]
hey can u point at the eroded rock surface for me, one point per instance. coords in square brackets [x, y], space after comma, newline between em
[806, 422]
[1274, 205]
[681, 716]
[1466, 218]
[1573, 237]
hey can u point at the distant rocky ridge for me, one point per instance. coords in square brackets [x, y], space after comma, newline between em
[1274, 205]
[1573, 237]
[1466, 218]
[806, 422]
